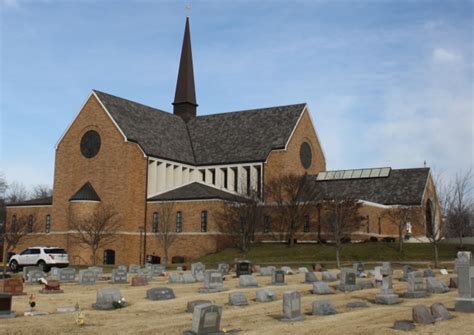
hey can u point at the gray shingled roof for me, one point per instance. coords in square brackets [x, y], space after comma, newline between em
[33, 202]
[195, 191]
[401, 187]
[245, 136]
[235, 137]
[85, 193]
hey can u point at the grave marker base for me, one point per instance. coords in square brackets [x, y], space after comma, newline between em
[298, 318]
[387, 299]
[211, 290]
[415, 295]
[464, 305]
[43, 291]
[35, 313]
[7, 315]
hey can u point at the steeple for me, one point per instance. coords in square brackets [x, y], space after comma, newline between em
[185, 96]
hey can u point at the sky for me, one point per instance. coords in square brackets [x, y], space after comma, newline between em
[388, 83]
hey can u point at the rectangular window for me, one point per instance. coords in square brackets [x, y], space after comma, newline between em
[224, 172]
[203, 221]
[30, 224]
[236, 179]
[306, 224]
[267, 225]
[213, 176]
[179, 222]
[156, 221]
[47, 225]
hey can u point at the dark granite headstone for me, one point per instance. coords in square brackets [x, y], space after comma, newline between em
[243, 268]
[6, 306]
[278, 277]
[160, 293]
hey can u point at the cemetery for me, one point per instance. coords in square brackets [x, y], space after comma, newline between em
[148, 299]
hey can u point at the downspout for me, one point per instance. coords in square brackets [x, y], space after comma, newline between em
[146, 203]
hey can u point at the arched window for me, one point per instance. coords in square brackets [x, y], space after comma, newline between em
[203, 221]
[47, 224]
[429, 217]
[306, 224]
[109, 257]
[179, 222]
[156, 221]
[30, 224]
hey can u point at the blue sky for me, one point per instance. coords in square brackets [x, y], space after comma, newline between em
[389, 83]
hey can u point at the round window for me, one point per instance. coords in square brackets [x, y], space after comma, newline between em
[90, 144]
[306, 155]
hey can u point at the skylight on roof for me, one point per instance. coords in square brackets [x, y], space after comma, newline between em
[354, 174]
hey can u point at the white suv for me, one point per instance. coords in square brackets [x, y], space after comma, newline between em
[44, 257]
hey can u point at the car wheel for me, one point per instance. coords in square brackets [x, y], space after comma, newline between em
[43, 267]
[14, 266]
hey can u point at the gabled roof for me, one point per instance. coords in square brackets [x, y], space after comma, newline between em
[196, 191]
[85, 193]
[33, 202]
[234, 137]
[401, 187]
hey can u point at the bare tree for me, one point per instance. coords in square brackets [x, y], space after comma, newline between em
[164, 227]
[240, 220]
[340, 219]
[459, 206]
[18, 229]
[291, 197]
[97, 230]
[41, 191]
[399, 216]
[16, 192]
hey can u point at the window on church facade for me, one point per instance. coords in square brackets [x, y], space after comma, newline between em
[47, 224]
[203, 221]
[179, 222]
[306, 224]
[156, 220]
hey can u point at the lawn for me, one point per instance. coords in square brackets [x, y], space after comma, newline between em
[310, 253]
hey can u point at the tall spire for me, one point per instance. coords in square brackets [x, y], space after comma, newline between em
[185, 96]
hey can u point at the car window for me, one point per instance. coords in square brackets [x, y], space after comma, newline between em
[55, 251]
[25, 252]
[35, 251]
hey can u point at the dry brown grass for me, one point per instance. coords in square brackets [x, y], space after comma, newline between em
[169, 317]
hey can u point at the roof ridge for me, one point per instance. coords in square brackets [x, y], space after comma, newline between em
[250, 110]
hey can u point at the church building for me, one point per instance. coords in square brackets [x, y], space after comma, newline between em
[138, 159]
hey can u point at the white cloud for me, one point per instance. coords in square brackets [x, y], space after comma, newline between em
[441, 55]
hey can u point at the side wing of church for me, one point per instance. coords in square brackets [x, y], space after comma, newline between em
[140, 160]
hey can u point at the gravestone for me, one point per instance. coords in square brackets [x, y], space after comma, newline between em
[465, 271]
[123, 268]
[364, 284]
[98, 271]
[212, 282]
[348, 280]
[176, 278]
[292, 306]
[378, 275]
[416, 287]
[428, 273]
[265, 295]
[87, 277]
[157, 269]
[267, 271]
[323, 307]
[321, 287]
[197, 270]
[328, 276]
[433, 285]
[145, 273]
[139, 281]
[405, 325]
[223, 268]
[358, 268]
[439, 312]
[54, 272]
[310, 277]
[34, 276]
[148, 266]
[247, 281]
[386, 295]
[357, 304]
[206, 320]
[13, 286]
[119, 276]
[238, 299]
[27, 269]
[278, 277]
[6, 306]
[453, 282]
[318, 267]
[188, 278]
[243, 268]
[255, 268]
[106, 298]
[133, 268]
[406, 270]
[160, 293]
[303, 270]
[51, 287]
[287, 270]
[192, 304]
[67, 275]
[421, 314]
